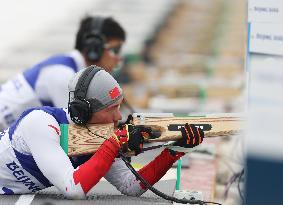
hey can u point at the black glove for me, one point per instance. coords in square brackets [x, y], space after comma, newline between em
[191, 137]
[131, 137]
[129, 120]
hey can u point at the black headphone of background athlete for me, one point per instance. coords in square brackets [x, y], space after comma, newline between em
[93, 41]
[80, 108]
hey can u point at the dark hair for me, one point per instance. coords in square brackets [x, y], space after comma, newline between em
[109, 29]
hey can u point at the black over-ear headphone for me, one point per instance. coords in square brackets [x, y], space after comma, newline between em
[80, 108]
[93, 41]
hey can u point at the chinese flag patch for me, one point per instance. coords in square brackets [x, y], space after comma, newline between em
[114, 93]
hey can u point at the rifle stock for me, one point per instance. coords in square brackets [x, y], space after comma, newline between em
[81, 140]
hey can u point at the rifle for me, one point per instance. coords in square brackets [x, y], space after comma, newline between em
[79, 140]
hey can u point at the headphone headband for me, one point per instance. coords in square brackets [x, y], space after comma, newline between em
[84, 81]
[96, 25]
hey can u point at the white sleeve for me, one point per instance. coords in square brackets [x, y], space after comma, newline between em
[40, 132]
[123, 179]
[52, 84]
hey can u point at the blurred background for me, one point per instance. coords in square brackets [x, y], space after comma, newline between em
[182, 56]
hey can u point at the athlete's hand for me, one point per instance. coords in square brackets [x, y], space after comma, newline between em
[131, 137]
[130, 120]
[191, 136]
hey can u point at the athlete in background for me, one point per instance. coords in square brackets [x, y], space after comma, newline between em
[31, 144]
[98, 42]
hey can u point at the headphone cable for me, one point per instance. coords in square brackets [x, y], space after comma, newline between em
[149, 186]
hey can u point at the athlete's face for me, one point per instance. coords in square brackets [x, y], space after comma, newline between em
[111, 55]
[110, 114]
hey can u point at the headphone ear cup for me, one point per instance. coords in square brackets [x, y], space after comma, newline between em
[94, 47]
[80, 111]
